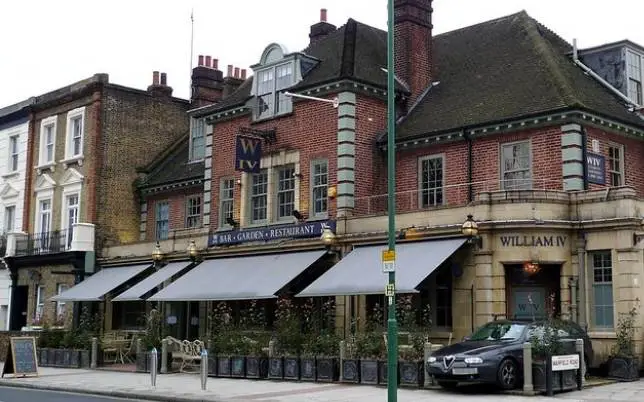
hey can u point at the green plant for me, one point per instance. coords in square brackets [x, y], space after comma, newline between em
[253, 317]
[546, 338]
[625, 345]
[222, 339]
[153, 330]
[405, 313]
[288, 329]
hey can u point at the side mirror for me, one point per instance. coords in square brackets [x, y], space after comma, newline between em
[466, 338]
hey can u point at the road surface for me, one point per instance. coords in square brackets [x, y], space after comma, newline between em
[8, 394]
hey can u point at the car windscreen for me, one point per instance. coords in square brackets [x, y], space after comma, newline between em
[498, 331]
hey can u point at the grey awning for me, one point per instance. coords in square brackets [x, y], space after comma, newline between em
[360, 272]
[152, 281]
[239, 278]
[101, 283]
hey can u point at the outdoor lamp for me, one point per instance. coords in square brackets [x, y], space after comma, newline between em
[157, 254]
[328, 237]
[471, 229]
[192, 250]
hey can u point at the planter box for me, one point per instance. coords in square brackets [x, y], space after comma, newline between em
[308, 369]
[328, 369]
[59, 357]
[238, 366]
[350, 371]
[411, 373]
[224, 366]
[143, 362]
[561, 380]
[51, 357]
[256, 367]
[85, 358]
[276, 368]
[369, 372]
[74, 358]
[212, 366]
[291, 368]
[382, 372]
[43, 355]
[624, 368]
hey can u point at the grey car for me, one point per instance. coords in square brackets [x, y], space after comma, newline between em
[493, 354]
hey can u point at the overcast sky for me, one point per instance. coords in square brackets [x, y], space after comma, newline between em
[48, 44]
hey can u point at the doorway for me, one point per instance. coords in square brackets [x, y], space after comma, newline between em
[532, 290]
[19, 298]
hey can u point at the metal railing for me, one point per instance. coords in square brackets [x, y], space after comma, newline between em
[44, 243]
[453, 195]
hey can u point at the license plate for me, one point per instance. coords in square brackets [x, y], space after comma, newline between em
[465, 371]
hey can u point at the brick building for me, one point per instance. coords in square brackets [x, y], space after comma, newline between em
[85, 142]
[501, 120]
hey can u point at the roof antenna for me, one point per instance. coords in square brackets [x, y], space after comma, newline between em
[192, 41]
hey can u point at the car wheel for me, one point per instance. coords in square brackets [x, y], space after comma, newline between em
[508, 374]
[448, 384]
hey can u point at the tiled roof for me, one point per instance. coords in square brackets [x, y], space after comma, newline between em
[172, 166]
[507, 68]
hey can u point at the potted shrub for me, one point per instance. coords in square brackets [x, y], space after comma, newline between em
[150, 340]
[326, 358]
[252, 323]
[222, 339]
[623, 365]
[288, 339]
[410, 360]
[257, 360]
[350, 363]
[308, 370]
[370, 349]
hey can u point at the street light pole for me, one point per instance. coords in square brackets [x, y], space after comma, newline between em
[392, 325]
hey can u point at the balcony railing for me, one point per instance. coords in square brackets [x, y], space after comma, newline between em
[454, 195]
[44, 243]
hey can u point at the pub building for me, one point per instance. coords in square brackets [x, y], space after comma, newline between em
[504, 209]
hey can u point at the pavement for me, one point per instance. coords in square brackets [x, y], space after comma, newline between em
[8, 394]
[187, 388]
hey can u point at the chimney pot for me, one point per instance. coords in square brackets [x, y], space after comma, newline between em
[323, 15]
[155, 78]
[164, 79]
[236, 72]
[208, 61]
[230, 70]
[215, 64]
[243, 74]
[200, 60]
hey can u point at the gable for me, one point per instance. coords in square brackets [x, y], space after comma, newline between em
[72, 176]
[45, 182]
[8, 191]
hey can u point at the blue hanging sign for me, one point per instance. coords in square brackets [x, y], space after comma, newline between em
[300, 230]
[248, 154]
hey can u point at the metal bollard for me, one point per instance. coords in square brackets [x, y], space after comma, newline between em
[94, 355]
[579, 346]
[528, 387]
[204, 369]
[153, 367]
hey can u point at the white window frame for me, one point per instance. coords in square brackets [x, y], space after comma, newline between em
[44, 236]
[9, 224]
[434, 190]
[69, 140]
[197, 124]
[42, 153]
[620, 173]
[40, 304]
[591, 279]
[60, 305]
[639, 78]
[313, 212]
[156, 220]
[273, 109]
[13, 164]
[188, 211]
[224, 201]
[266, 194]
[504, 181]
[66, 208]
[290, 178]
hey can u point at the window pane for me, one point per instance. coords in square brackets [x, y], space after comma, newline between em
[602, 289]
[284, 75]
[198, 140]
[516, 166]
[431, 182]
[259, 193]
[226, 199]
[76, 135]
[320, 179]
[162, 220]
[265, 83]
[193, 211]
[285, 192]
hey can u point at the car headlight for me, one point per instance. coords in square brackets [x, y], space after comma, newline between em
[431, 359]
[473, 360]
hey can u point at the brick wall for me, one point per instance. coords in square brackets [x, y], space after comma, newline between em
[177, 207]
[50, 280]
[136, 127]
[633, 156]
[311, 129]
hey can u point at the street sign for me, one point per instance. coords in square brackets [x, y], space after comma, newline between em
[390, 290]
[388, 261]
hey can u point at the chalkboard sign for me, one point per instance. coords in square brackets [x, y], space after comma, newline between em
[21, 357]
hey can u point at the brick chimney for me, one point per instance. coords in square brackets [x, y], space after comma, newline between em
[233, 79]
[413, 44]
[321, 29]
[207, 82]
[159, 85]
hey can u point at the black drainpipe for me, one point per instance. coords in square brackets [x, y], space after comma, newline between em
[584, 155]
[470, 189]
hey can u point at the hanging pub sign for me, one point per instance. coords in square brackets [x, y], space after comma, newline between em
[596, 168]
[299, 230]
[248, 154]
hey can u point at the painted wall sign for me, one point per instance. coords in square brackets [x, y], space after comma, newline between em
[248, 153]
[301, 230]
[596, 168]
[533, 241]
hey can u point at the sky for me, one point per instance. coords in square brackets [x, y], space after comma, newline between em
[45, 45]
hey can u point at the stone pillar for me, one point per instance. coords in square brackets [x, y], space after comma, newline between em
[207, 193]
[581, 280]
[528, 387]
[345, 200]
[490, 289]
[572, 157]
